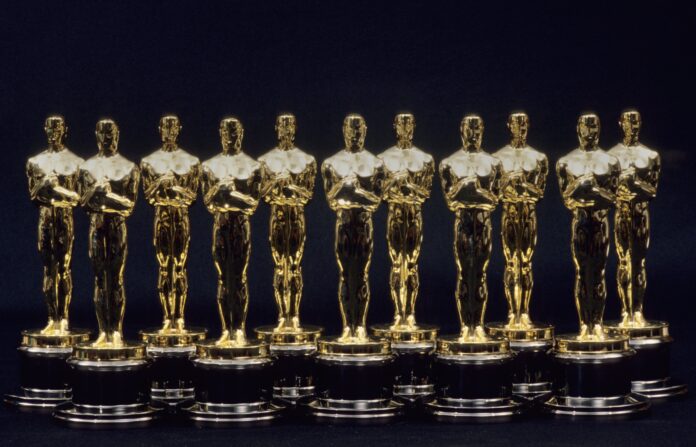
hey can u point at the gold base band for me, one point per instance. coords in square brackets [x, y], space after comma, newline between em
[34, 338]
[536, 332]
[129, 351]
[571, 344]
[231, 351]
[454, 345]
[652, 329]
[304, 335]
[187, 337]
[418, 334]
[335, 346]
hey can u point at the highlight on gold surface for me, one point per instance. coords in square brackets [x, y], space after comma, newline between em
[108, 187]
[588, 178]
[524, 171]
[288, 185]
[231, 188]
[408, 180]
[471, 185]
[353, 181]
[170, 184]
[52, 176]
[640, 172]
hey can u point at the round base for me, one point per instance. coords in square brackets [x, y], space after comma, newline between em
[532, 392]
[293, 371]
[475, 410]
[155, 337]
[233, 415]
[39, 401]
[300, 336]
[413, 394]
[659, 389]
[627, 406]
[405, 334]
[376, 411]
[128, 351]
[106, 416]
[535, 332]
[171, 374]
[338, 346]
[35, 338]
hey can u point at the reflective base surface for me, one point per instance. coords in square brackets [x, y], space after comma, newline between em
[474, 410]
[205, 414]
[375, 411]
[40, 401]
[620, 406]
[106, 416]
[659, 389]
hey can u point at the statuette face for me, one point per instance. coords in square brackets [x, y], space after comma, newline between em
[588, 178]
[471, 184]
[52, 176]
[231, 187]
[353, 181]
[408, 177]
[523, 179]
[108, 185]
[170, 184]
[288, 184]
[640, 172]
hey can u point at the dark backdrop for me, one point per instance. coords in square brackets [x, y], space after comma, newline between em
[133, 61]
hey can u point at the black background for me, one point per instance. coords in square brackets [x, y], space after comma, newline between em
[134, 61]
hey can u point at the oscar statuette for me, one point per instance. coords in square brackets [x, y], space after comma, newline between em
[408, 173]
[109, 376]
[640, 170]
[472, 370]
[592, 374]
[52, 178]
[170, 178]
[288, 185]
[523, 179]
[232, 375]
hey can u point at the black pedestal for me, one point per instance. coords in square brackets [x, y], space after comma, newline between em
[354, 383]
[233, 391]
[108, 393]
[171, 374]
[531, 368]
[473, 387]
[651, 369]
[293, 372]
[43, 378]
[595, 381]
[412, 371]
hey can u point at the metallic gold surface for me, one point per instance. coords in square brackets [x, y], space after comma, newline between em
[418, 334]
[455, 345]
[353, 180]
[288, 185]
[231, 350]
[366, 347]
[640, 171]
[569, 344]
[52, 178]
[588, 179]
[108, 187]
[471, 184]
[103, 352]
[40, 340]
[408, 173]
[231, 187]
[522, 184]
[536, 332]
[170, 184]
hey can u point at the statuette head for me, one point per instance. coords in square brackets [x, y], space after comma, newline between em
[56, 130]
[285, 130]
[588, 131]
[354, 132]
[518, 124]
[107, 136]
[404, 124]
[231, 135]
[630, 123]
[471, 130]
[169, 129]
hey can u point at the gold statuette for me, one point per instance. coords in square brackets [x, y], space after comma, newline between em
[407, 184]
[640, 171]
[231, 187]
[588, 178]
[52, 178]
[170, 183]
[471, 184]
[288, 185]
[523, 180]
[108, 185]
[353, 183]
